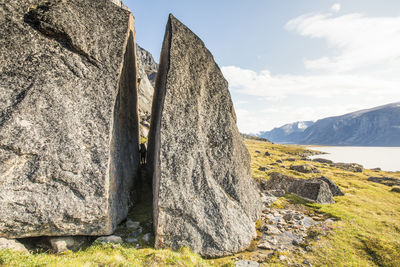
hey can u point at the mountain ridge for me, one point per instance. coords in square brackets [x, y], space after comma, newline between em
[377, 126]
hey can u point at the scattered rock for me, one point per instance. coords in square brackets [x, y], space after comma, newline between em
[395, 189]
[110, 239]
[268, 199]
[304, 168]
[265, 245]
[385, 181]
[279, 161]
[272, 230]
[63, 244]
[267, 154]
[245, 263]
[282, 257]
[352, 167]
[290, 159]
[137, 232]
[205, 199]
[321, 160]
[131, 240]
[132, 225]
[263, 169]
[258, 152]
[146, 238]
[12, 244]
[376, 169]
[307, 263]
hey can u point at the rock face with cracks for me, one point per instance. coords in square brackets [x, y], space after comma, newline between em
[204, 196]
[68, 117]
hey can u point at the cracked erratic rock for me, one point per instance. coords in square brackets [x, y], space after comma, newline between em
[12, 244]
[68, 117]
[204, 196]
[319, 190]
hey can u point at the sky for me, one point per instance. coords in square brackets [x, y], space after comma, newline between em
[288, 60]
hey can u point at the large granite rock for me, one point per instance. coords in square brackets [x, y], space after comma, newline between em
[204, 196]
[68, 117]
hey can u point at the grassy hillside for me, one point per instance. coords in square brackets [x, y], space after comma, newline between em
[365, 232]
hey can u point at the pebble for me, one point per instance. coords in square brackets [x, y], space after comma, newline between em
[146, 238]
[272, 230]
[136, 232]
[264, 245]
[244, 263]
[131, 240]
[110, 239]
[132, 225]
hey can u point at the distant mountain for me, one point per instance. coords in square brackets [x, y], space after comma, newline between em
[288, 133]
[379, 126]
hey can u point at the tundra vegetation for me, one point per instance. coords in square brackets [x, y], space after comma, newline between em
[365, 229]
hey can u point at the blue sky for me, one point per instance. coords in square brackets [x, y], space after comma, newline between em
[290, 60]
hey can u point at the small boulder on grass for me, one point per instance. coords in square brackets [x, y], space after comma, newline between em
[395, 189]
[12, 244]
[263, 169]
[110, 239]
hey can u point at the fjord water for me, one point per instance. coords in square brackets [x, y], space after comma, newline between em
[386, 158]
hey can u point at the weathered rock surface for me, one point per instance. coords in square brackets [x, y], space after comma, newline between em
[120, 4]
[68, 117]
[12, 244]
[204, 196]
[319, 190]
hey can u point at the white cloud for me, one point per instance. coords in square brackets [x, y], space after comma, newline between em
[336, 7]
[360, 71]
[278, 87]
[361, 42]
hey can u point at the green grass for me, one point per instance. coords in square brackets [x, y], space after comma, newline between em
[366, 230]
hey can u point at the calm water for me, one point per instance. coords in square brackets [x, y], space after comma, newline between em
[386, 158]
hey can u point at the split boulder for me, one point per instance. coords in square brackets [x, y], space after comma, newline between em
[68, 117]
[204, 196]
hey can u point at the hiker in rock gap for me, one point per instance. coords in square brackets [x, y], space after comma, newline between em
[142, 152]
